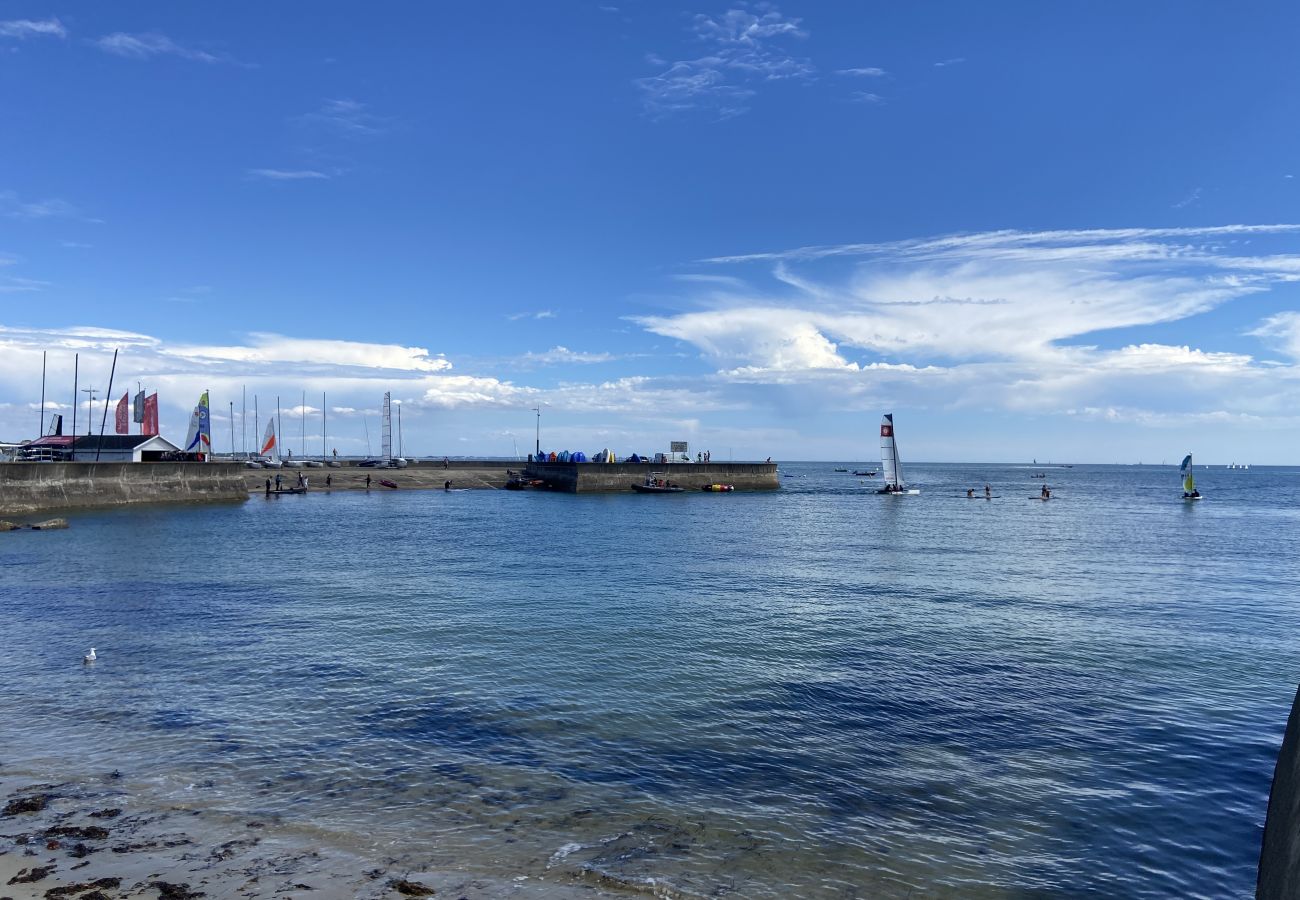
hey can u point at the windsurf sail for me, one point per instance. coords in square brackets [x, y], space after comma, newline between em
[1189, 483]
[199, 438]
[388, 427]
[890, 465]
[268, 440]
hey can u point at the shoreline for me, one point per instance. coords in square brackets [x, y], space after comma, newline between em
[100, 838]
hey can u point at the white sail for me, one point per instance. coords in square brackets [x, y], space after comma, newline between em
[388, 427]
[890, 465]
[268, 440]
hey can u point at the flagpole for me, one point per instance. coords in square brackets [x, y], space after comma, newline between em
[108, 395]
[41, 433]
[76, 358]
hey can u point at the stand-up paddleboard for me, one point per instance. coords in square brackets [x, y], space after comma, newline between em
[1041, 497]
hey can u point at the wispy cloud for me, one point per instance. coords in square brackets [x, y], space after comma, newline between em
[1003, 319]
[147, 45]
[740, 54]
[288, 174]
[347, 117]
[563, 355]
[29, 28]
[866, 71]
[866, 97]
[538, 314]
[1192, 197]
[1281, 331]
[15, 285]
[956, 60]
[50, 208]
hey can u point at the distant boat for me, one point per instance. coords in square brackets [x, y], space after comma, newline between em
[890, 463]
[841, 470]
[657, 483]
[871, 474]
[1189, 482]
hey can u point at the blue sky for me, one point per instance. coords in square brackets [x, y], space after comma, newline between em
[1029, 230]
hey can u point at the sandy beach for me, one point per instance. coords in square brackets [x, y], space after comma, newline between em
[101, 839]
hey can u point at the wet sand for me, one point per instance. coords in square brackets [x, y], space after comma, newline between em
[98, 840]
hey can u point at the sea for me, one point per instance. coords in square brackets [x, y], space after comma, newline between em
[814, 692]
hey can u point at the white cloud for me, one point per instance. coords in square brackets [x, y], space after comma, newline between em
[538, 314]
[562, 355]
[867, 72]
[1281, 331]
[273, 348]
[288, 174]
[741, 55]
[147, 45]
[346, 117]
[956, 60]
[1191, 198]
[26, 28]
[1001, 320]
[866, 97]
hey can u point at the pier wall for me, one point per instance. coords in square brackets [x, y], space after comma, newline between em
[583, 478]
[27, 487]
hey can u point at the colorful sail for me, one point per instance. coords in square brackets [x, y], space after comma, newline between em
[199, 438]
[268, 440]
[137, 410]
[1189, 483]
[890, 465]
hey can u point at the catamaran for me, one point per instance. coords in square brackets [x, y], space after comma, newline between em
[890, 464]
[1189, 482]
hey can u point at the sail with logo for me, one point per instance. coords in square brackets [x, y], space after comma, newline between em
[199, 438]
[890, 465]
[1189, 480]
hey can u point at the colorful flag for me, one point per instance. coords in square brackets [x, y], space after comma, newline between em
[150, 423]
[199, 439]
[268, 442]
[122, 419]
[137, 413]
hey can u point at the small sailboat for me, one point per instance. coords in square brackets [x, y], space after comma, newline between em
[890, 464]
[270, 457]
[1189, 482]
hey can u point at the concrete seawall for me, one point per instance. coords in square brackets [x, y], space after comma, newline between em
[582, 478]
[36, 487]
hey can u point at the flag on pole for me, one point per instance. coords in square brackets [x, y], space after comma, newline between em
[122, 424]
[150, 423]
[137, 412]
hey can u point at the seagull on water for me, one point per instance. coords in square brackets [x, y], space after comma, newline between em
[90, 657]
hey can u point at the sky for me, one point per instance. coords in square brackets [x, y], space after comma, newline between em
[1028, 230]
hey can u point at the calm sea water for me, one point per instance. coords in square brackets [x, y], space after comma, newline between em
[818, 692]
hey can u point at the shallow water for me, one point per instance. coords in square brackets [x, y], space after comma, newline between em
[818, 692]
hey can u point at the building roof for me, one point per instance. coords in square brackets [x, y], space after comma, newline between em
[123, 442]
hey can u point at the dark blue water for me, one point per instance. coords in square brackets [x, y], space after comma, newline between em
[819, 692]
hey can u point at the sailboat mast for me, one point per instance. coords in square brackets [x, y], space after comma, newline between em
[304, 425]
[42, 431]
[279, 427]
[256, 433]
[322, 426]
[76, 360]
[399, 429]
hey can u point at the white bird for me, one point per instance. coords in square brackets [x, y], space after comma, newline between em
[90, 657]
